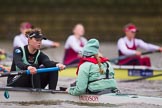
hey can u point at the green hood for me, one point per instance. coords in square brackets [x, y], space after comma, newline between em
[91, 48]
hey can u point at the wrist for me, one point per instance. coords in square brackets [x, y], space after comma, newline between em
[57, 65]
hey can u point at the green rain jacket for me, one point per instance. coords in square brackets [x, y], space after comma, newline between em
[90, 72]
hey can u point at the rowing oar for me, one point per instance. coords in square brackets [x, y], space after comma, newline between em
[31, 89]
[27, 72]
[114, 60]
[142, 78]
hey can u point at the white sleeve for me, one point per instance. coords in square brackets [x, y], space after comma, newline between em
[47, 43]
[73, 43]
[146, 46]
[123, 48]
[17, 42]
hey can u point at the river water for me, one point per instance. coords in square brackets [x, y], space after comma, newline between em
[148, 88]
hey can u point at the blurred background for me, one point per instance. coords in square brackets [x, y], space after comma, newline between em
[103, 19]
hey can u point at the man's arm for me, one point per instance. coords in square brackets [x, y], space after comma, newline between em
[44, 59]
[50, 43]
[146, 46]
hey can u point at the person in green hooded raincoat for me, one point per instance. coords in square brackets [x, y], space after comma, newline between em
[95, 73]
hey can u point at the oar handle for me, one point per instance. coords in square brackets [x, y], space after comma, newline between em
[43, 70]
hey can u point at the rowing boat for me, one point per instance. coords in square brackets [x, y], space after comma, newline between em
[39, 95]
[123, 72]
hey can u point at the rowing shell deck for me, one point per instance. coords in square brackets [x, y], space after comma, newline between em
[33, 95]
[123, 72]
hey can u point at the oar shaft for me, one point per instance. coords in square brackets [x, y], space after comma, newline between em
[13, 73]
[142, 78]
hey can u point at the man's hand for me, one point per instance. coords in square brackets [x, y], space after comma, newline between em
[32, 69]
[61, 66]
[160, 49]
[2, 51]
[138, 53]
[56, 44]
